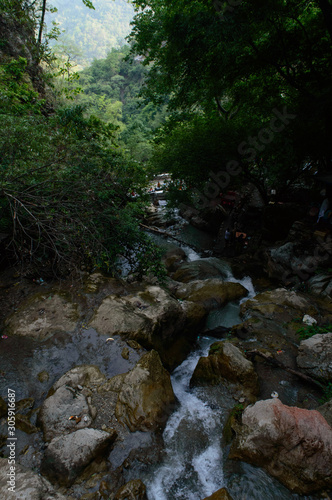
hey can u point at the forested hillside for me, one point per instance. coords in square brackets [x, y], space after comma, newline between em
[91, 33]
[111, 91]
[64, 179]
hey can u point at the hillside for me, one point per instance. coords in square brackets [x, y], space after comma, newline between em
[92, 33]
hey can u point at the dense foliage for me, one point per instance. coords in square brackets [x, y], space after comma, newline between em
[111, 89]
[66, 188]
[246, 81]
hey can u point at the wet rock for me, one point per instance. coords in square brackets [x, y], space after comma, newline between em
[326, 411]
[201, 269]
[23, 423]
[315, 356]
[140, 316]
[42, 315]
[173, 258]
[226, 362]
[134, 490]
[125, 353]
[57, 410]
[221, 494]
[151, 317]
[292, 444]
[29, 484]
[145, 395]
[211, 293]
[84, 375]
[66, 400]
[66, 457]
[321, 284]
[279, 303]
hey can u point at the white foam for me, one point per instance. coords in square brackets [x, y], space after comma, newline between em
[207, 466]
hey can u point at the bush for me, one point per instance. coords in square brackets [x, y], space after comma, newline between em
[65, 189]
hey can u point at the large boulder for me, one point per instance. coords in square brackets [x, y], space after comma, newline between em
[201, 269]
[212, 293]
[315, 356]
[226, 362]
[66, 457]
[28, 484]
[148, 313]
[279, 303]
[292, 444]
[67, 408]
[43, 315]
[145, 395]
[151, 317]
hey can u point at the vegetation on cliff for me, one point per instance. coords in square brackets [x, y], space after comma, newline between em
[66, 189]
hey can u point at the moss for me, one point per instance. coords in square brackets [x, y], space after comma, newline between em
[233, 418]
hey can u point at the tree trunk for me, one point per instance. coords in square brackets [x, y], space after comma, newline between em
[41, 26]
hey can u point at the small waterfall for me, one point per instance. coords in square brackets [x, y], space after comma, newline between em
[191, 469]
[195, 463]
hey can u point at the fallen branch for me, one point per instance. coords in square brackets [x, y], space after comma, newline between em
[168, 235]
[278, 363]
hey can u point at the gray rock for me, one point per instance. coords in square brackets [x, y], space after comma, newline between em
[29, 484]
[326, 411]
[315, 356]
[57, 410]
[152, 318]
[43, 315]
[321, 284]
[142, 316]
[278, 303]
[84, 375]
[66, 457]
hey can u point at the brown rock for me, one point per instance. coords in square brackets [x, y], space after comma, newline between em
[135, 490]
[211, 293]
[221, 494]
[225, 361]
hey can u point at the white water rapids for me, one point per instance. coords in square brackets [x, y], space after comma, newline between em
[192, 468]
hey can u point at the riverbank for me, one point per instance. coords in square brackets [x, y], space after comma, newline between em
[90, 354]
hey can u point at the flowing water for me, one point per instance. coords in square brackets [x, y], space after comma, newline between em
[195, 464]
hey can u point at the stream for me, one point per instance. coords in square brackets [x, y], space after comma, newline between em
[195, 464]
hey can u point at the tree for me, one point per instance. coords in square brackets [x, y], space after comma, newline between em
[243, 66]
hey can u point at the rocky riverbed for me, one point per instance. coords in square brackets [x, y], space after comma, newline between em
[90, 364]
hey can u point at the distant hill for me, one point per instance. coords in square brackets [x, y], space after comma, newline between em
[90, 33]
